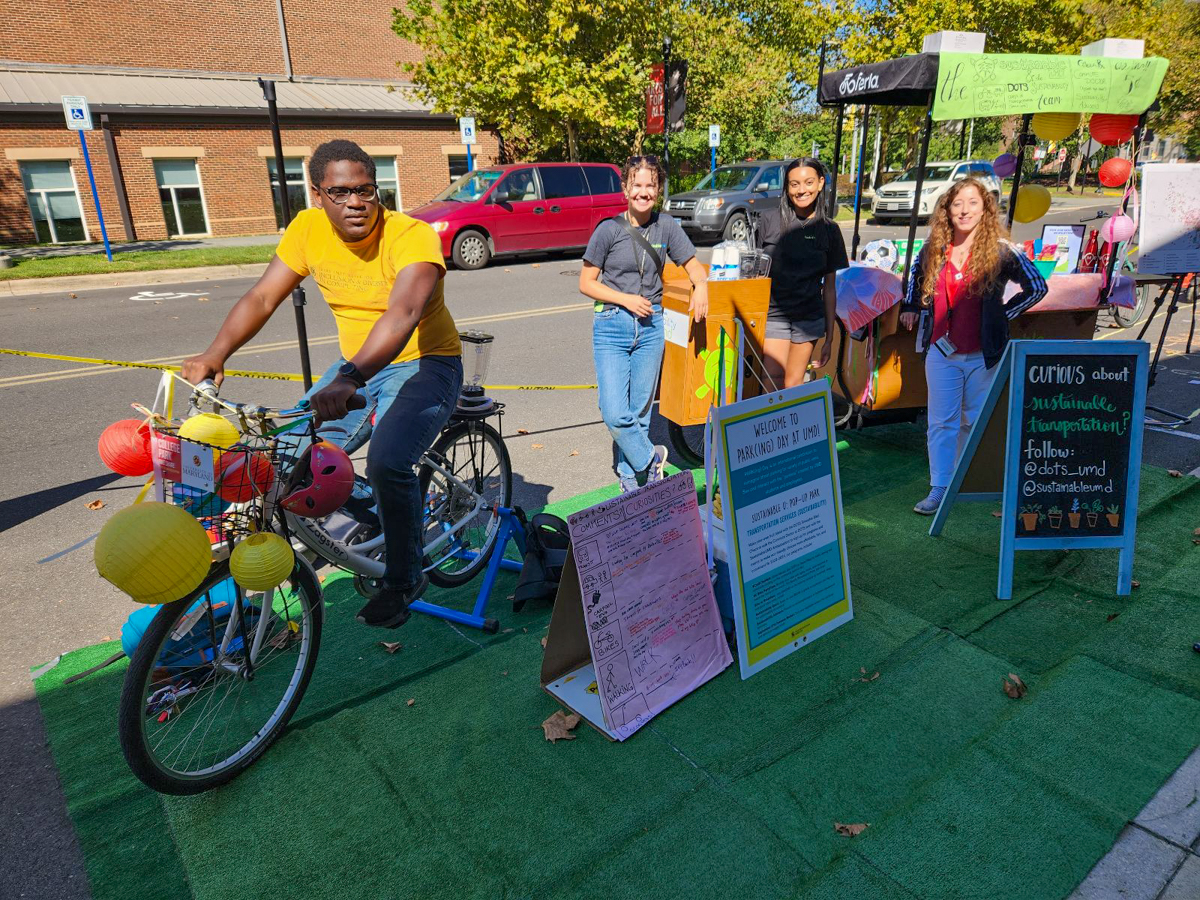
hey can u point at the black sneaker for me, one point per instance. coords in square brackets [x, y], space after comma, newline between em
[390, 608]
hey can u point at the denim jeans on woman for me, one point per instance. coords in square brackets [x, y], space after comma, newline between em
[958, 385]
[412, 402]
[628, 353]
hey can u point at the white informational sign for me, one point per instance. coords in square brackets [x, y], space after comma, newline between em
[714, 135]
[77, 112]
[782, 509]
[196, 466]
[635, 625]
[466, 129]
[1169, 243]
[676, 326]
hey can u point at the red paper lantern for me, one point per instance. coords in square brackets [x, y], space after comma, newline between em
[1110, 130]
[125, 447]
[1115, 172]
[244, 476]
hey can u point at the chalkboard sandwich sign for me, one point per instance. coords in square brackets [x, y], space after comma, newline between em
[1072, 449]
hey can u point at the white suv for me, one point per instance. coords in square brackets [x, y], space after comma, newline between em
[895, 199]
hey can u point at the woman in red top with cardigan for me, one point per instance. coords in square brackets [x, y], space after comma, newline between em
[958, 282]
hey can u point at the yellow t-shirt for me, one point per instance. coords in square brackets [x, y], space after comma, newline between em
[356, 278]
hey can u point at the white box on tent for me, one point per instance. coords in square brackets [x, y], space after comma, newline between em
[1121, 48]
[954, 42]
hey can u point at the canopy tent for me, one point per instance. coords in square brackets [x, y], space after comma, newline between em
[965, 85]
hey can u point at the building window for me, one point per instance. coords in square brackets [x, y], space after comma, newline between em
[180, 195]
[388, 180]
[53, 201]
[458, 165]
[296, 179]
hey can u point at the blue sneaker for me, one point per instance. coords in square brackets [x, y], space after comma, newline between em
[658, 465]
[930, 504]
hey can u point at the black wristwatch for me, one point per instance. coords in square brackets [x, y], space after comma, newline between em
[350, 370]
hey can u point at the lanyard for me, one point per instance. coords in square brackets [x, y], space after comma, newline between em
[641, 261]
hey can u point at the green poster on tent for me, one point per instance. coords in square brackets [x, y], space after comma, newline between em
[971, 85]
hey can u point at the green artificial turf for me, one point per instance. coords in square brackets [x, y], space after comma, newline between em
[734, 791]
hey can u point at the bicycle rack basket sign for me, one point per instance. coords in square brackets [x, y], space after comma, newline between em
[635, 625]
[783, 526]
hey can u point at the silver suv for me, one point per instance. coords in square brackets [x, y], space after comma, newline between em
[718, 206]
[895, 199]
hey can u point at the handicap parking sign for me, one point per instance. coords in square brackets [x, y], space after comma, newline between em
[77, 112]
[466, 128]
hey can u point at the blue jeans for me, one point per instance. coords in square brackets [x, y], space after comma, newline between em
[412, 402]
[628, 353]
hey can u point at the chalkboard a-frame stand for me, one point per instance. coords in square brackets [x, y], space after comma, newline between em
[1108, 459]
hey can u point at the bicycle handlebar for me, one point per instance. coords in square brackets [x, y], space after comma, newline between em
[209, 390]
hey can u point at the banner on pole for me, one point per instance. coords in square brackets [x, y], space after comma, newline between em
[655, 101]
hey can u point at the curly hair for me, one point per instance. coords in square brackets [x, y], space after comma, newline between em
[336, 151]
[635, 164]
[984, 261]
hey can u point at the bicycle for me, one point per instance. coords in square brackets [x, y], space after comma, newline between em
[218, 674]
[1125, 316]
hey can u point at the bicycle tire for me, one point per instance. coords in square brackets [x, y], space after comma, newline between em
[688, 443]
[452, 569]
[1127, 318]
[150, 671]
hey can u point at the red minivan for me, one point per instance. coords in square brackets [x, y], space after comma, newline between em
[522, 208]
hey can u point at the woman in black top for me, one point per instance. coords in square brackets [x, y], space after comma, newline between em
[806, 248]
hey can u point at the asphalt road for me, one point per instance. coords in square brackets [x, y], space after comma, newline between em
[53, 413]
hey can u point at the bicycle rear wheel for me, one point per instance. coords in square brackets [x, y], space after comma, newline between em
[197, 709]
[473, 452]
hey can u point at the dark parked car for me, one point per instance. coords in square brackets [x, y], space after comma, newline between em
[719, 205]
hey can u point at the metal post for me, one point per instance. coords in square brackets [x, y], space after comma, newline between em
[1022, 140]
[962, 138]
[837, 157]
[912, 219]
[87, 161]
[298, 298]
[858, 188]
[114, 166]
[666, 191]
[971, 137]
[470, 164]
[1133, 147]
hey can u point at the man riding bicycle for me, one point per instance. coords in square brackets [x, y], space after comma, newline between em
[381, 273]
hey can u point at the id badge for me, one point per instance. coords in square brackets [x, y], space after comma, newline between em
[945, 345]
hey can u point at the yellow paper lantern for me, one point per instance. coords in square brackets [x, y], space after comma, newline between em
[1054, 126]
[154, 552]
[209, 428]
[261, 562]
[1033, 201]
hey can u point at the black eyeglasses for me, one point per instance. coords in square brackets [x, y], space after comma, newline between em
[341, 195]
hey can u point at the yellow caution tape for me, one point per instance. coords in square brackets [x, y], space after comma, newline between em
[273, 376]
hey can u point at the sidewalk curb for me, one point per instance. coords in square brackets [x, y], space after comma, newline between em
[20, 287]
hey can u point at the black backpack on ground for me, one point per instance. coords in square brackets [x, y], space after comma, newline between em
[546, 544]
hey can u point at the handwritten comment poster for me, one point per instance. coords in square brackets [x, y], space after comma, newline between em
[1170, 219]
[649, 609]
[784, 529]
[971, 85]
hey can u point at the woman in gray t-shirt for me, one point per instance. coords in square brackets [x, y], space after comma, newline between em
[622, 273]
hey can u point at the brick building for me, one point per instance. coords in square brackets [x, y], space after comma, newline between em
[182, 144]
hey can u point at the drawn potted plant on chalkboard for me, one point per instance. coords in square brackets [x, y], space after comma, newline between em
[1093, 513]
[1031, 514]
[1113, 515]
[1073, 514]
[1055, 517]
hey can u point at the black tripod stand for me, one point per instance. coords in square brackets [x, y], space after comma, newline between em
[1174, 287]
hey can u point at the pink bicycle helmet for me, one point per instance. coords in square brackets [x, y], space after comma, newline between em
[321, 482]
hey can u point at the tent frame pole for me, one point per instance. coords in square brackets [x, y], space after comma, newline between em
[916, 209]
[1023, 140]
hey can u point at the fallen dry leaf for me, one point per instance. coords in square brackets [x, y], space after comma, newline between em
[523, 630]
[1174, 473]
[33, 307]
[391, 646]
[1111, 616]
[1135, 584]
[1014, 688]
[321, 578]
[96, 504]
[202, 300]
[508, 631]
[537, 446]
[1196, 532]
[505, 672]
[508, 270]
[573, 453]
[559, 726]
[996, 513]
[536, 266]
[543, 643]
[410, 701]
[522, 431]
[851, 830]
[72, 296]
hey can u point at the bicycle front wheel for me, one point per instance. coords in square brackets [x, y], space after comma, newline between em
[469, 479]
[215, 679]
